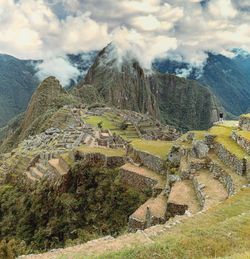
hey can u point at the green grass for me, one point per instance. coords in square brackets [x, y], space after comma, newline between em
[244, 134]
[111, 121]
[106, 123]
[223, 134]
[105, 151]
[154, 147]
[68, 159]
[221, 232]
[199, 134]
[246, 115]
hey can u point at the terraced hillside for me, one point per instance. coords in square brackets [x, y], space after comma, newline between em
[106, 171]
[201, 180]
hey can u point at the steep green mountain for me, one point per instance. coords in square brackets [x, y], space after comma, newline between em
[17, 83]
[228, 79]
[48, 98]
[184, 103]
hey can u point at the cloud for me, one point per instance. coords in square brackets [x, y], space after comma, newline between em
[60, 67]
[178, 29]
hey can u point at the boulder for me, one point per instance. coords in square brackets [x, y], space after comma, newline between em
[200, 149]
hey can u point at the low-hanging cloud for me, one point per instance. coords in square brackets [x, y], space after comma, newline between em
[59, 67]
[178, 29]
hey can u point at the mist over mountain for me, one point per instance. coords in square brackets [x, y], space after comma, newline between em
[227, 78]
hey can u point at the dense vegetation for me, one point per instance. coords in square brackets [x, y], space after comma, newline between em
[89, 203]
[17, 83]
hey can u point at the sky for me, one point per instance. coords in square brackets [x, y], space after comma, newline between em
[183, 30]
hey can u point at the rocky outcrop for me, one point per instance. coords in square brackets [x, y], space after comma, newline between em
[200, 149]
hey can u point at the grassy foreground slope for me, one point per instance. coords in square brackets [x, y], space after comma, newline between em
[222, 231]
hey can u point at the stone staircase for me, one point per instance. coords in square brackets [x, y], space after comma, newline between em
[52, 168]
[37, 171]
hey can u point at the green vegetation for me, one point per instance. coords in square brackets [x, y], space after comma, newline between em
[104, 151]
[106, 122]
[246, 115]
[17, 84]
[223, 134]
[154, 147]
[90, 203]
[223, 231]
[244, 134]
[113, 123]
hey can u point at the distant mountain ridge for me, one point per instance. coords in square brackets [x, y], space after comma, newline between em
[17, 83]
[229, 79]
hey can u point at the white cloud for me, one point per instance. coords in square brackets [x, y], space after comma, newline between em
[59, 67]
[45, 29]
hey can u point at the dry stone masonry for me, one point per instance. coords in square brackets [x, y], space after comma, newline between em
[244, 122]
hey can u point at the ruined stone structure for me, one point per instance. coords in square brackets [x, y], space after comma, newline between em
[241, 141]
[238, 164]
[152, 162]
[244, 122]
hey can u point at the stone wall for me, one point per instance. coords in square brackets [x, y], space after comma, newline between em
[248, 169]
[135, 224]
[136, 180]
[241, 141]
[174, 209]
[239, 165]
[244, 123]
[224, 178]
[152, 162]
[99, 160]
[199, 192]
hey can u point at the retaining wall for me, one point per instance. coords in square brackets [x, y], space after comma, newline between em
[154, 163]
[239, 165]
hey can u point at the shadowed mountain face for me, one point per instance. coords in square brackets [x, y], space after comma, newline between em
[229, 79]
[17, 83]
[123, 83]
[48, 98]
